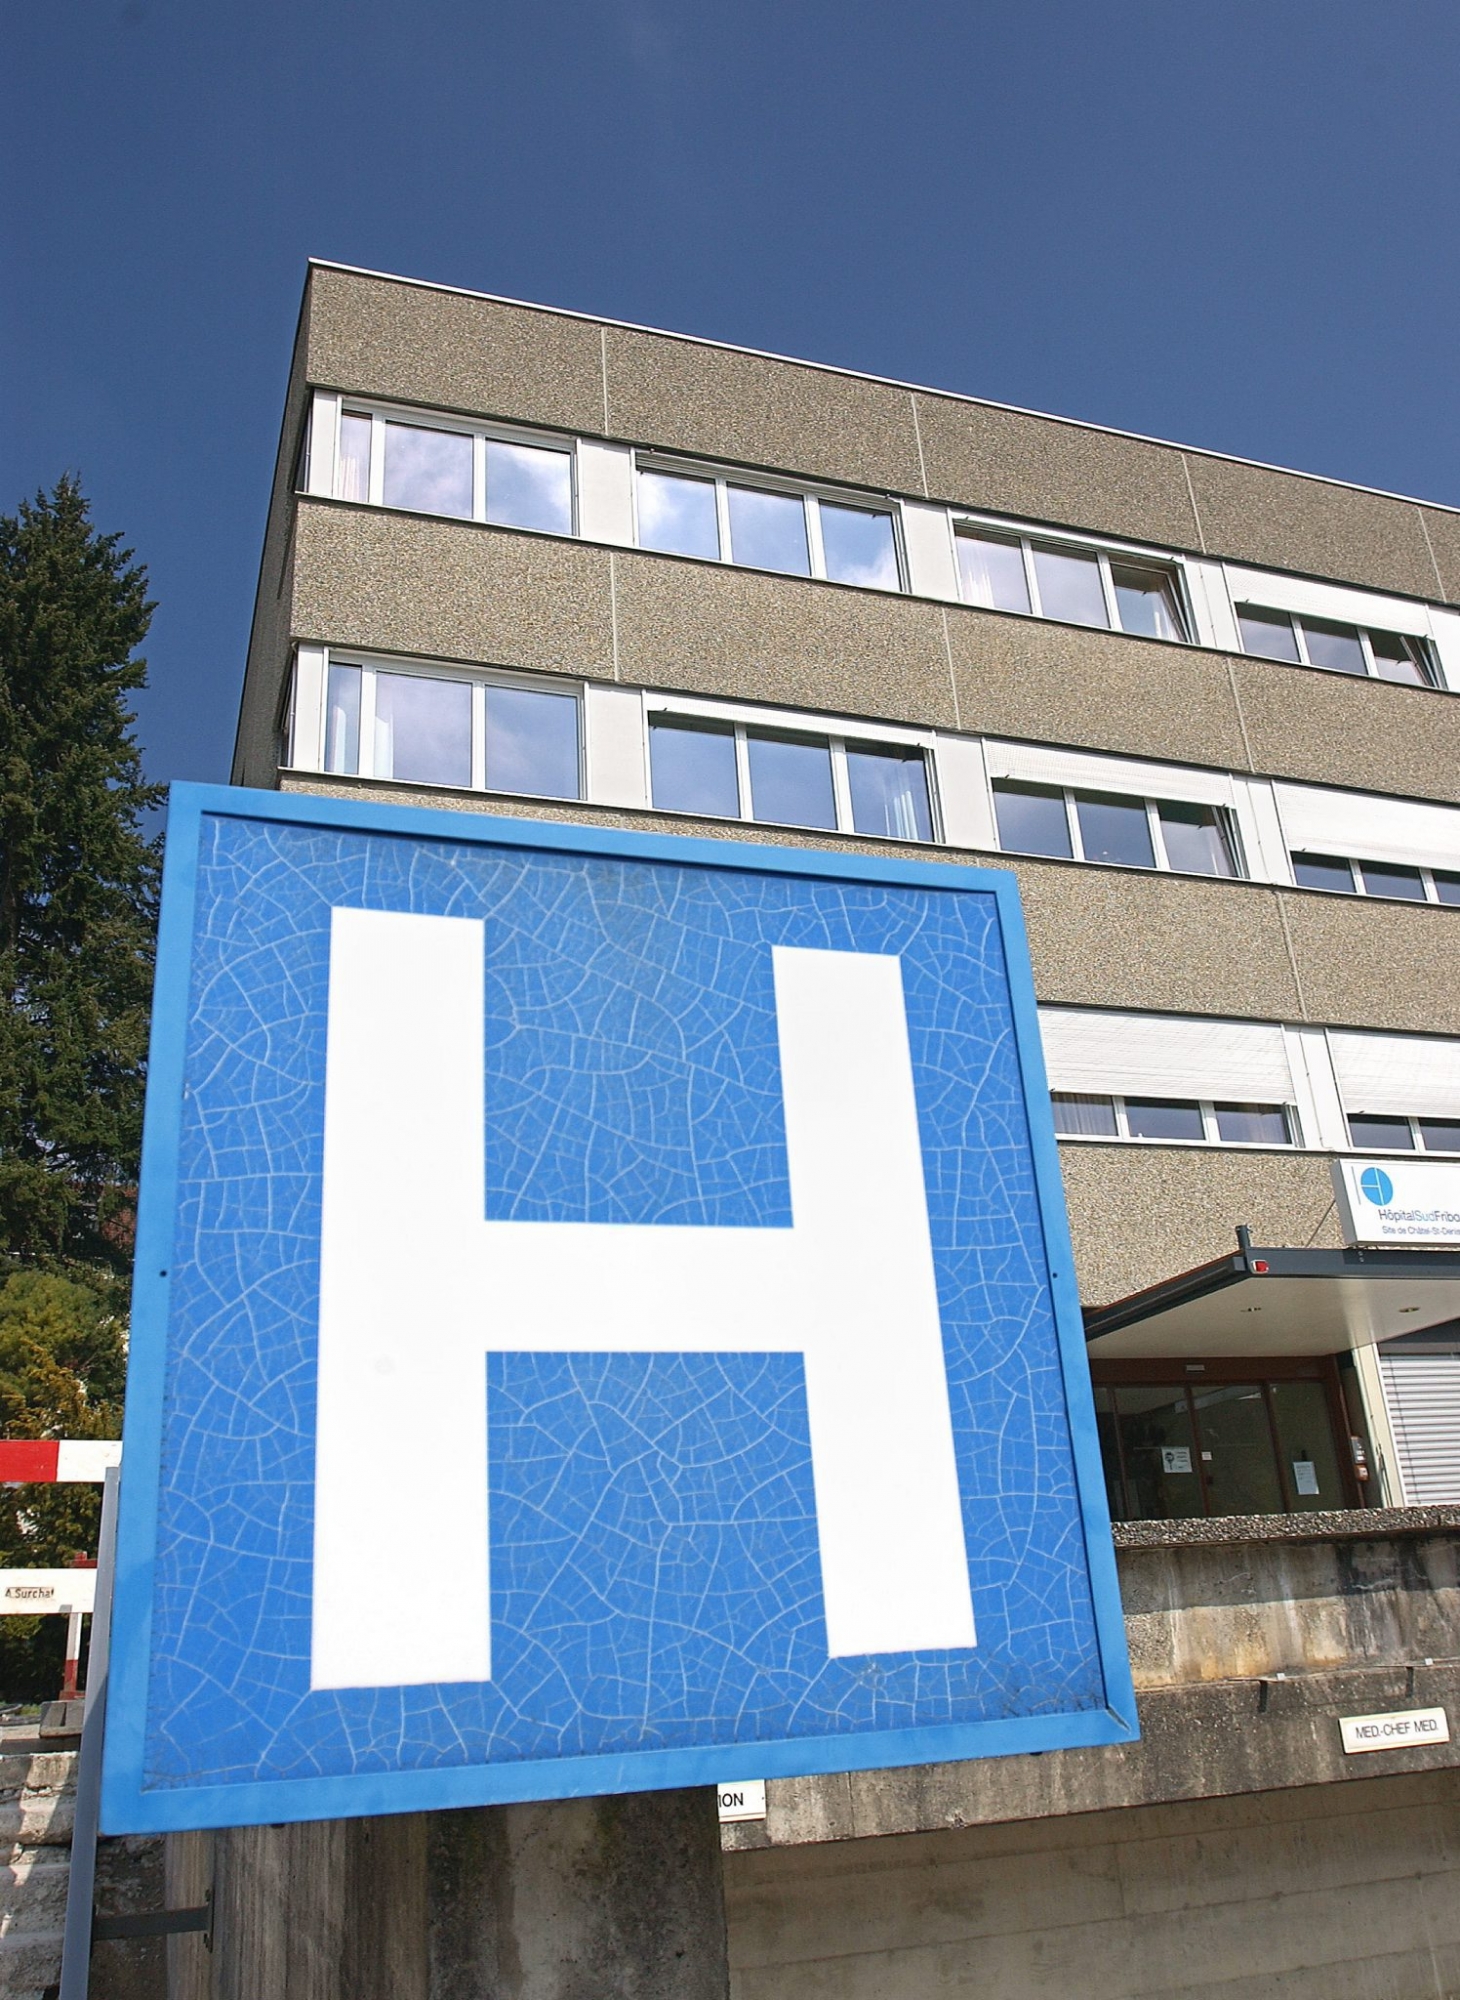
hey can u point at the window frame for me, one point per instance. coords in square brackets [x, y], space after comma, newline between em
[1226, 817]
[478, 680]
[839, 735]
[813, 496]
[1123, 1136]
[1430, 665]
[1415, 1121]
[1426, 872]
[480, 434]
[1168, 562]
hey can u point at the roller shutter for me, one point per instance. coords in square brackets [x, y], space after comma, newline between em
[1422, 1392]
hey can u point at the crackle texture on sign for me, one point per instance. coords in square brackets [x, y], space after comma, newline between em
[654, 1568]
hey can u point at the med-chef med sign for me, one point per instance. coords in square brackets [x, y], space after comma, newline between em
[604, 1321]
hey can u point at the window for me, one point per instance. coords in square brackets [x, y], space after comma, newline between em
[719, 519]
[1147, 601]
[352, 473]
[1396, 880]
[784, 777]
[991, 571]
[858, 546]
[1342, 649]
[1394, 1132]
[1114, 830]
[529, 487]
[1112, 827]
[422, 730]
[1080, 586]
[678, 516]
[342, 720]
[790, 780]
[1081, 1117]
[1252, 1125]
[889, 790]
[1172, 1120]
[427, 470]
[1324, 871]
[437, 729]
[463, 474]
[1033, 819]
[692, 766]
[531, 742]
[1164, 1118]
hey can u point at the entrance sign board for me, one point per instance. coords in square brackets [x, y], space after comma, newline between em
[1394, 1200]
[604, 1320]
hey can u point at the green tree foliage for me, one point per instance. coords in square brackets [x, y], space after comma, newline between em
[78, 883]
[78, 891]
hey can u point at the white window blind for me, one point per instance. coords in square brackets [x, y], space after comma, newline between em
[1397, 1073]
[1422, 1394]
[1373, 829]
[1165, 1055]
[1035, 766]
[1414, 1074]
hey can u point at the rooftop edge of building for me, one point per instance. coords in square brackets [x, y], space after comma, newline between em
[709, 342]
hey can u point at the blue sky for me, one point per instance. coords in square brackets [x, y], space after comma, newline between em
[1231, 224]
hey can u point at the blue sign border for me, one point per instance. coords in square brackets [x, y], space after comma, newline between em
[128, 1805]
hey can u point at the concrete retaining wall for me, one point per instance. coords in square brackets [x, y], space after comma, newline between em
[1344, 1893]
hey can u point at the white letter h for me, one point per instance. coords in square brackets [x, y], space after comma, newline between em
[416, 1287]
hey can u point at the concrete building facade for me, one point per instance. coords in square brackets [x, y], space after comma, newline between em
[528, 562]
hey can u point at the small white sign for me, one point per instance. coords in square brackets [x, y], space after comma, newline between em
[745, 1800]
[1403, 1729]
[1305, 1476]
[1398, 1201]
[24, 1592]
[1176, 1458]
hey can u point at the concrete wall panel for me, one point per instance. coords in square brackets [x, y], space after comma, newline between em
[1208, 1611]
[753, 411]
[1344, 1894]
[1180, 1206]
[1336, 730]
[1252, 514]
[1442, 527]
[734, 633]
[410, 344]
[1370, 964]
[1106, 937]
[1022, 677]
[983, 457]
[365, 577]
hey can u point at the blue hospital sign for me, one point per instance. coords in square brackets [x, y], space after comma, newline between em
[604, 1321]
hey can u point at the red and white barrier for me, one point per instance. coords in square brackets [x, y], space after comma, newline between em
[26, 1592]
[59, 1461]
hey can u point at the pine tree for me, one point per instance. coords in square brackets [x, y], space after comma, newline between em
[78, 891]
[78, 884]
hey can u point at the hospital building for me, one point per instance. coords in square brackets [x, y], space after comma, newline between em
[526, 562]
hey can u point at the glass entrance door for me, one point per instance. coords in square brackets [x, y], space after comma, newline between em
[1238, 1452]
[1222, 1438]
